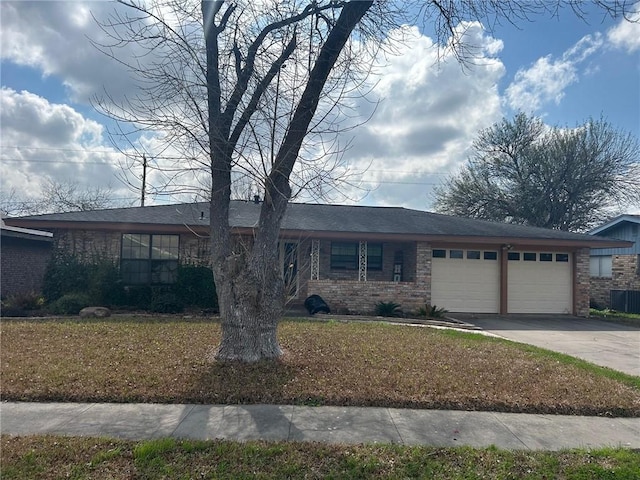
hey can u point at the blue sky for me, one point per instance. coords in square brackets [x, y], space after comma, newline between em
[562, 69]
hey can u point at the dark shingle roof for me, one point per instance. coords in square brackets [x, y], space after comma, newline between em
[315, 218]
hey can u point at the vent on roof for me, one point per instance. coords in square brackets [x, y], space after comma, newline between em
[201, 215]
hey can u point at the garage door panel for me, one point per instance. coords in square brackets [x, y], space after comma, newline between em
[539, 286]
[466, 285]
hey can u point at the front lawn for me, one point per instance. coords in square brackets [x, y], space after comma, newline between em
[170, 361]
[59, 457]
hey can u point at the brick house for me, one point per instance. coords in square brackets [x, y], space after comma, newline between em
[24, 254]
[355, 256]
[616, 269]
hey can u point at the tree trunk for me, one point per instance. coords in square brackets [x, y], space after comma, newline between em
[249, 277]
[251, 299]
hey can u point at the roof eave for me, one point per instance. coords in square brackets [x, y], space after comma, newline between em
[597, 242]
[615, 222]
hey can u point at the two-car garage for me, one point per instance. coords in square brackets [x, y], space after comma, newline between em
[469, 280]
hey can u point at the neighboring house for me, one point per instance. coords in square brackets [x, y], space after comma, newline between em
[616, 269]
[355, 256]
[24, 254]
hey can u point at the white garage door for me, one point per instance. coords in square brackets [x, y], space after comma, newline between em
[539, 282]
[466, 280]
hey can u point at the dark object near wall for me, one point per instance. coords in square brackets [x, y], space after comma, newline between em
[315, 304]
[627, 301]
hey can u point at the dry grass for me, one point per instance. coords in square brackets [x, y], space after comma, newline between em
[325, 363]
[59, 457]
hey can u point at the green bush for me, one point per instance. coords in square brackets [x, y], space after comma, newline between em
[104, 283]
[65, 274]
[138, 297]
[388, 309]
[100, 281]
[166, 302]
[24, 301]
[195, 287]
[431, 311]
[70, 304]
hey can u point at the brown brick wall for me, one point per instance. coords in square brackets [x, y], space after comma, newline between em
[582, 282]
[87, 244]
[389, 250]
[23, 263]
[624, 276]
[361, 297]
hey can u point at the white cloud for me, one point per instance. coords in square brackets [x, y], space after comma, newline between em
[431, 108]
[53, 37]
[626, 34]
[430, 111]
[42, 141]
[548, 78]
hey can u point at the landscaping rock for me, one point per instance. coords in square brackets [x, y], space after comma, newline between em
[95, 312]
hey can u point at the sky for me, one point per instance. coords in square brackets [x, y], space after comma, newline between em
[563, 69]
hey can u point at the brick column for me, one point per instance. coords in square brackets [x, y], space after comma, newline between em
[581, 280]
[423, 268]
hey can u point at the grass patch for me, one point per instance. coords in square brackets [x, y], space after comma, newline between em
[359, 364]
[48, 457]
[632, 319]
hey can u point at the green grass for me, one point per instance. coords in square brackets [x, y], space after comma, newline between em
[632, 319]
[336, 363]
[47, 457]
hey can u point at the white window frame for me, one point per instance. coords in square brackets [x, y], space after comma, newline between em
[601, 266]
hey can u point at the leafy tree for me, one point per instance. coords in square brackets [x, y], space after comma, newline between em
[523, 172]
[258, 90]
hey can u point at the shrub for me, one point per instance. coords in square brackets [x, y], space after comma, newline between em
[104, 283]
[24, 301]
[195, 287]
[431, 311]
[70, 304]
[138, 296]
[65, 274]
[388, 309]
[166, 302]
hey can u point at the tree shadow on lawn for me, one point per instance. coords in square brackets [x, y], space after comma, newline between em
[239, 383]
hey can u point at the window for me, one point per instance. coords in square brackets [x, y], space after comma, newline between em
[374, 256]
[490, 255]
[149, 258]
[529, 256]
[513, 255]
[439, 253]
[546, 257]
[456, 254]
[562, 257]
[473, 254]
[344, 256]
[600, 266]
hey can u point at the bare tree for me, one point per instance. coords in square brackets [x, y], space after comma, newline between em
[258, 89]
[524, 172]
[57, 196]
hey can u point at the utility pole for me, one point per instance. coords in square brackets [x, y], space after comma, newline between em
[144, 178]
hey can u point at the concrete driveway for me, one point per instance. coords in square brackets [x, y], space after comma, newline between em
[604, 343]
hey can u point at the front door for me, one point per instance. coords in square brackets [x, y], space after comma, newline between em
[289, 256]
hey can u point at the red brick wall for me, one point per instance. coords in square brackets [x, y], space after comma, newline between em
[23, 263]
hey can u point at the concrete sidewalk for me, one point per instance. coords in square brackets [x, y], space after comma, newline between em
[323, 424]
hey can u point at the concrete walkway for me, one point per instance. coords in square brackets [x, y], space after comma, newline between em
[322, 424]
